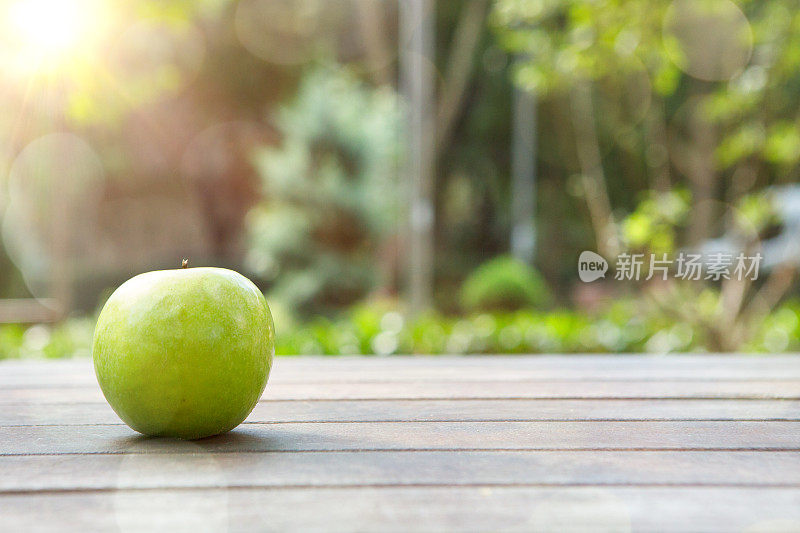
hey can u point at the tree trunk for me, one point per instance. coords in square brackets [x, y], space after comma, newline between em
[592, 175]
[703, 179]
[377, 50]
[416, 29]
[523, 175]
[459, 68]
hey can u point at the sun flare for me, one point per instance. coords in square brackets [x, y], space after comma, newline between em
[52, 28]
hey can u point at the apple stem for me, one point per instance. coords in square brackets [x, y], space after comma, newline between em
[185, 263]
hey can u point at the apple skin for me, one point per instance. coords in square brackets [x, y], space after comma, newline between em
[184, 353]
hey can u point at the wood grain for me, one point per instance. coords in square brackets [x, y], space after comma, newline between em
[512, 443]
[332, 436]
[199, 468]
[65, 414]
[788, 390]
[402, 509]
[61, 373]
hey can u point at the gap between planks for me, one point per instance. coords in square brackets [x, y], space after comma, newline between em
[403, 486]
[786, 390]
[32, 385]
[432, 421]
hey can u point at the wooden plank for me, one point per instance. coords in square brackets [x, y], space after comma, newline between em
[440, 410]
[208, 470]
[22, 374]
[479, 508]
[789, 390]
[309, 458]
[89, 381]
[373, 378]
[415, 436]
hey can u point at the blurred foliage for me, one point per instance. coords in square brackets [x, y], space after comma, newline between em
[330, 192]
[380, 328]
[568, 40]
[72, 338]
[780, 330]
[626, 325]
[504, 284]
[698, 95]
[689, 104]
[725, 313]
[755, 214]
[654, 223]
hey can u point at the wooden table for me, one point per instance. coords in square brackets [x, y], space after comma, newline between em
[550, 443]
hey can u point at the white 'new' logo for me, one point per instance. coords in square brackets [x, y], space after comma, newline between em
[591, 266]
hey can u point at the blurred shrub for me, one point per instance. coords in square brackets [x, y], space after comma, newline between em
[504, 284]
[330, 193]
[70, 339]
[779, 331]
[623, 327]
[379, 328]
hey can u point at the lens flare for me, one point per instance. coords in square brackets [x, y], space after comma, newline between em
[52, 28]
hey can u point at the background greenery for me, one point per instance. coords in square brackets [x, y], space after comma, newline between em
[661, 125]
[377, 328]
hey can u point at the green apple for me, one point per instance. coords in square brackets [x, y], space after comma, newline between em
[184, 353]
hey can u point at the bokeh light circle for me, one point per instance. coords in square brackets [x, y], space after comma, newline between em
[219, 150]
[52, 182]
[156, 56]
[171, 509]
[278, 31]
[601, 510]
[708, 39]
